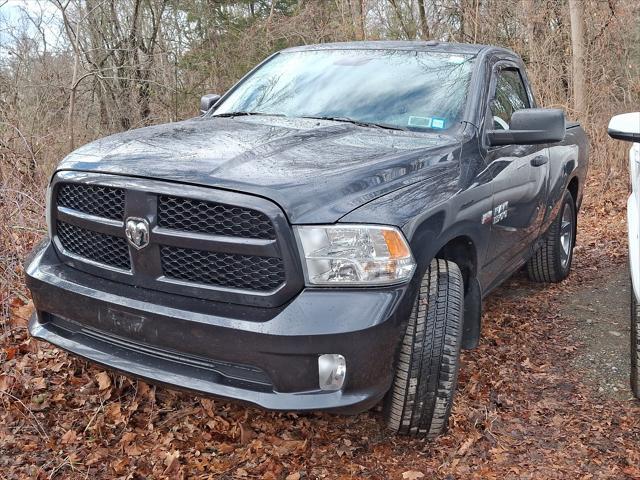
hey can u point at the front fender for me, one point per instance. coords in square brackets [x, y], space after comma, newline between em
[431, 213]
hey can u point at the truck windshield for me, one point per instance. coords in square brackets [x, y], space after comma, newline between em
[393, 88]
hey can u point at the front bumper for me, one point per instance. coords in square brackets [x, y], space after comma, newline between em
[263, 356]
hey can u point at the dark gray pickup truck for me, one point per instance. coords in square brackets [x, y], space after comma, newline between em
[321, 238]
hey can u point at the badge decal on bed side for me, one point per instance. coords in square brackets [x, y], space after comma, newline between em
[496, 215]
[500, 212]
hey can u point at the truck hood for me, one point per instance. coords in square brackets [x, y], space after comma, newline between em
[317, 171]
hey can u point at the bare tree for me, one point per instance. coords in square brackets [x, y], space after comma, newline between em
[74, 36]
[424, 24]
[360, 17]
[576, 9]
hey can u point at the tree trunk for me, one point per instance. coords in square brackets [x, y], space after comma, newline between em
[360, 13]
[577, 49]
[424, 25]
[463, 17]
[270, 17]
[528, 16]
[72, 103]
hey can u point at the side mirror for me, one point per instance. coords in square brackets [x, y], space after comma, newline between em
[531, 126]
[207, 101]
[625, 127]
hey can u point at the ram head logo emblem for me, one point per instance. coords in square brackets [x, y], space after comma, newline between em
[137, 232]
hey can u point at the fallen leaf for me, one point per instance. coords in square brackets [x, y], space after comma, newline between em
[69, 437]
[225, 448]
[6, 381]
[466, 445]
[127, 439]
[120, 465]
[208, 406]
[133, 450]
[114, 413]
[95, 457]
[171, 462]
[38, 383]
[10, 353]
[246, 434]
[20, 316]
[412, 475]
[104, 380]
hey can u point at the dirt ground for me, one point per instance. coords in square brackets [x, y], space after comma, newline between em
[545, 395]
[599, 312]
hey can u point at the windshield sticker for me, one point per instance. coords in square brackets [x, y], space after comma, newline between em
[437, 122]
[424, 122]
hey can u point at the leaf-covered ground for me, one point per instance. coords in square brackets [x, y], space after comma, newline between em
[524, 410]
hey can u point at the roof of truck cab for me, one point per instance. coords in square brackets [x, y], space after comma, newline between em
[417, 45]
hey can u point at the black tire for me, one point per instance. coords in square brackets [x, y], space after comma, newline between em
[421, 397]
[552, 262]
[635, 344]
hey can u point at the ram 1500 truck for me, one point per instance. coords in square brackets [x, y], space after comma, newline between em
[321, 237]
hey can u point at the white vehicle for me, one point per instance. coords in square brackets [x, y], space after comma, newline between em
[627, 127]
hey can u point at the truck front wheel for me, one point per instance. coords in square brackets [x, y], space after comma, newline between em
[421, 397]
[551, 263]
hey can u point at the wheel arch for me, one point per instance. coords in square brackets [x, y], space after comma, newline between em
[462, 251]
[574, 189]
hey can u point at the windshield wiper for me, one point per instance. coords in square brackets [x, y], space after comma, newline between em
[335, 119]
[357, 122]
[241, 114]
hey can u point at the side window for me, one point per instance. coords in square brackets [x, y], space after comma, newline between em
[511, 95]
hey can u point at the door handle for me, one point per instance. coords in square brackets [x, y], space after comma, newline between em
[539, 161]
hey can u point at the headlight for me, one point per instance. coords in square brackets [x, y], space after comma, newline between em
[355, 255]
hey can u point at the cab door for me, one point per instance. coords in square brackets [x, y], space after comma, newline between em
[520, 177]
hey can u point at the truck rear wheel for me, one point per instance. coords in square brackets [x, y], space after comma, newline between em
[552, 262]
[635, 343]
[421, 397]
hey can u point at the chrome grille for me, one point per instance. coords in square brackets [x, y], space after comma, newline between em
[248, 272]
[216, 245]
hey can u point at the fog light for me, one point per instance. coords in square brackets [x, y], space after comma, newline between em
[332, 368]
